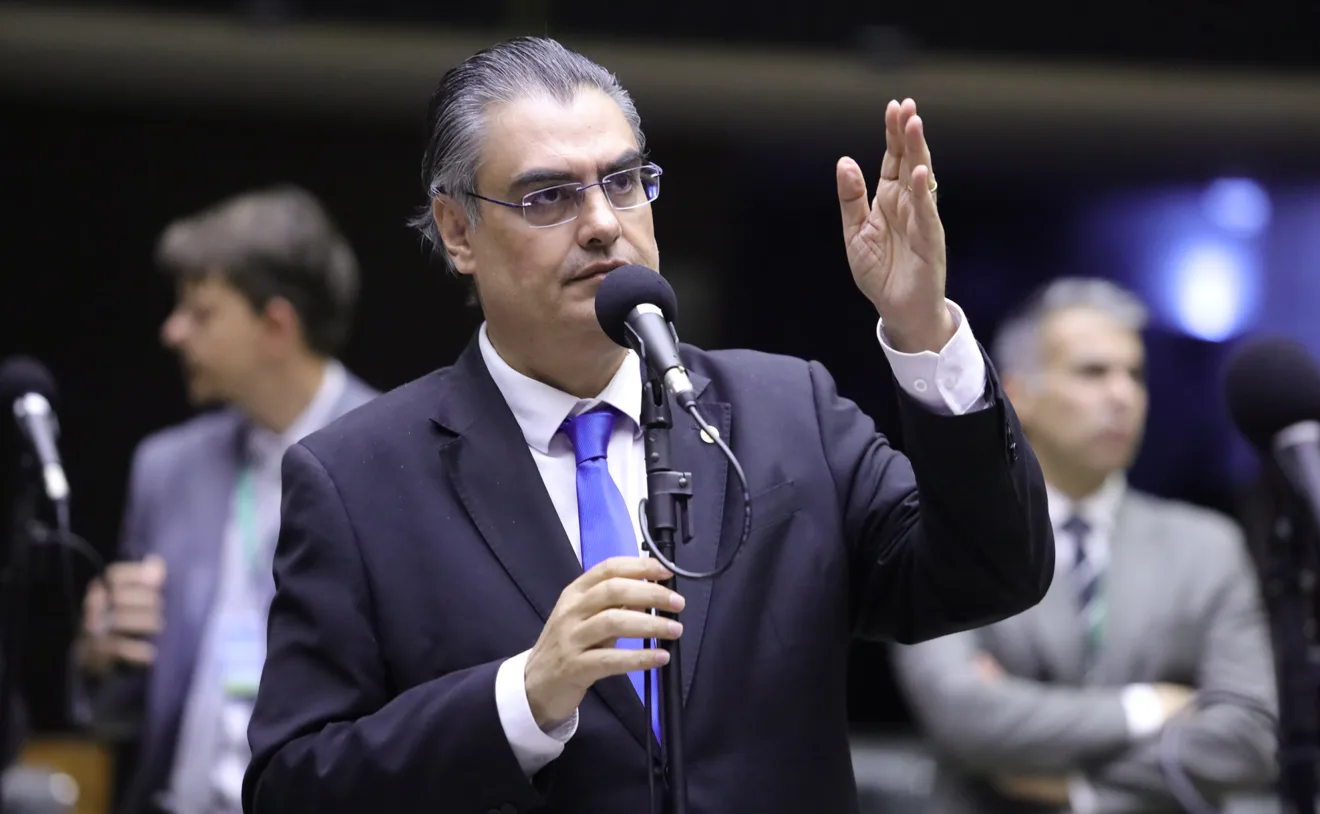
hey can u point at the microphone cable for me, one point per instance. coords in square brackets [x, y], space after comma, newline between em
[713, 435]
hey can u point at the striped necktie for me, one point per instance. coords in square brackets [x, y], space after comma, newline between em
[1086, 576]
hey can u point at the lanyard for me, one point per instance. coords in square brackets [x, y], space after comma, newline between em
[249, 532]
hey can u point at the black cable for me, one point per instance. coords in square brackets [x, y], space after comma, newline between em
[44, 535]
[1180, 785]
[713, 435]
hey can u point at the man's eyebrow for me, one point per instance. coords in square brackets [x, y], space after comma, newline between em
[540, 177]
[629, 160]
[545, 177]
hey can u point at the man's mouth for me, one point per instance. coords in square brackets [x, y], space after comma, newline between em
[597, 270]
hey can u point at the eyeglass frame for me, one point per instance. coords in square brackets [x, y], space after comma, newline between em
[578, 189]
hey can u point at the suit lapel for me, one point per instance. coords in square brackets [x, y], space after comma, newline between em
[499, 485]
[193, 543]
[1131, 578]
[710, 487]
[1059, 627]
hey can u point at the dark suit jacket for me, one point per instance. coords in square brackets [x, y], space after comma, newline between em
[419, 549]
[180, 492]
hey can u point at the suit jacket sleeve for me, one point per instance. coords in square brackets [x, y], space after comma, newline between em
[330, 730]
[951, 537]
[114, 705]
[1010, 724]
[1228, 744]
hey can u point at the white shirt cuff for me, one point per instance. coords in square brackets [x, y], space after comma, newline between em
[1143, 709]
[532, 746]
[951, 382]
[1081, 797]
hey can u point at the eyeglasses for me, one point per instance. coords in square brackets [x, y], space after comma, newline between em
[552, 206]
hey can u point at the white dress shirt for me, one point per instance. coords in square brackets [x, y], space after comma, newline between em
[1141, 705]
[207, 775]
[951, 382]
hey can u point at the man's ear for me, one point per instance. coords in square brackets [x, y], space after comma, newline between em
[455, 231]
[282, 321]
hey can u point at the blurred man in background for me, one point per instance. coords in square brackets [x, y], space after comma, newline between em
[174, 638]
[1154, 607]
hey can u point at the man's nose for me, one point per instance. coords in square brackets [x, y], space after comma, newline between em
[598, 223]
[174, 329]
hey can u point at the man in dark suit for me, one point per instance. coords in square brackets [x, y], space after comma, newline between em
[458, 560]
[170, 647]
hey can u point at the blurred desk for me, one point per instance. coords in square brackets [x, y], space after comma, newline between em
[86, 761]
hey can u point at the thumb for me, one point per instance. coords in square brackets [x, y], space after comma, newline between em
[153, 569]
[853, 205]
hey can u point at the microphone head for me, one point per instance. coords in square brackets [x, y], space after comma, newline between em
[1271, 384]
[20, 375]
[624, 289]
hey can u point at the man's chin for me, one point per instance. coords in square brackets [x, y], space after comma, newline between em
[200, 396]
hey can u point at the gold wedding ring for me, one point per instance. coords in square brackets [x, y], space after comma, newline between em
[934, 185]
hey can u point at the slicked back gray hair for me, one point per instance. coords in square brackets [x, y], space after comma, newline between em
[1017, 345]
[512, 70]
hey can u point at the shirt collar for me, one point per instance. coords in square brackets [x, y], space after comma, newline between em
[264, 445]
[540, 409]
[1099, 509]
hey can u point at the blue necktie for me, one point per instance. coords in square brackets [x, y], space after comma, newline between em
[604, 521]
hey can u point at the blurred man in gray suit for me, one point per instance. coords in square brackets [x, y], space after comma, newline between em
[1153, 616]
[174, 638]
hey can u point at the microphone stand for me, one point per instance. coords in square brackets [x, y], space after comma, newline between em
[13, 601]
[1291, 561]
[666, 516]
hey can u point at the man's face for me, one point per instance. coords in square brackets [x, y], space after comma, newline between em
[1086, 406]
[531, 279]
[221, 340]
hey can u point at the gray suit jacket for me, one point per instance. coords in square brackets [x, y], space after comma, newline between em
[180, 488]
[1183, 606]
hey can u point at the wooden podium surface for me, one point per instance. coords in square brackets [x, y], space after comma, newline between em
[87, 761]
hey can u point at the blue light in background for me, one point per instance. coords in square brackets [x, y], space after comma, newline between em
[1212, 288]
[1237, 205]
[1197, 254]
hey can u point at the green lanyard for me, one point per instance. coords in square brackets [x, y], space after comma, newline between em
[245, 506]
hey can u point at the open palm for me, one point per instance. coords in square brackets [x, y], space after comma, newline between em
[895, 242]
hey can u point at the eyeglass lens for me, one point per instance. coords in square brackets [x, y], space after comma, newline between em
[625, 189]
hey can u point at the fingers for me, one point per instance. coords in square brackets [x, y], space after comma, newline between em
[149, 573]
[627, 593]
[137, 621]
[895, 145]
[916, 153]
[853, 205]
[129, 601]
[605, 662]
[132, 651]
[924, 211]
[153, 570]
[635, 568]
[612, 624]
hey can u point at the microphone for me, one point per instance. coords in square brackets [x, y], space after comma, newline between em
[636, 307]
[29, 387]
[1272, 387]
